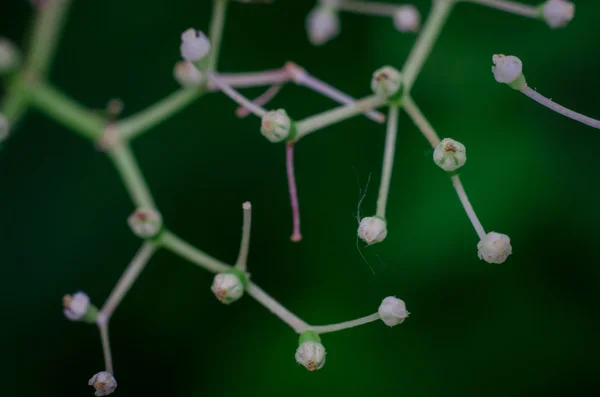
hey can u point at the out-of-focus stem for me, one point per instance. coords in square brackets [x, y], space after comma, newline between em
[510, 7]
[289, 165]
[217, 25]
[131, 175]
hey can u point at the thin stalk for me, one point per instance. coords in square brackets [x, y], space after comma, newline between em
[237, 97]
[323, 329]
[388, 160]
[108, 364]
[427, 37]
[368, 8]
[129, 277]
[262, 100]
[421, 122]
[276, 308]
[217, 26]
[510, 7]
[135, 125]
[67, 111]
[462, 195]
[291, 177]
[131, 175]
[14, 103]
[336, 115]
[539, 98]
[242, 259]
[191, 253]
[253, 79]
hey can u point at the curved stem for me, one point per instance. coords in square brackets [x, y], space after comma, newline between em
[510, 7]
[388, 160]
[131, 175]
[245, 244]
[462, 195]
[289, 165]
[276, 308]
[539, 98]
[323, 329]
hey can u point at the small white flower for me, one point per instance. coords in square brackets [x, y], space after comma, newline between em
[392, 311]
[386, 82]
[372, 229]
[4, 127]
[9, 56]
[323, 25]
[494, 248]
[194, 45]
[187, 75]
[145, 222]
[508, 70]
[76, 306]
[450, 155]
[276, 125]
[104, 383]
[229, 286]
[558, 13]
[310, 352]
[407, 19]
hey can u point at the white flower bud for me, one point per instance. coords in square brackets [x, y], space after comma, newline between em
[229, 286]
[407, 19]
[310, 352]
[194, 45]
[558, 13]
[104, 383]
[322, 25]
[372, 229]
[77, 307]
[386, 82]
[450, 155]
[187, 74]
[4, 127]
[508, 70]
[392, 311]
[276, 125]
[494, 248]
[145, 222]
[9, 56]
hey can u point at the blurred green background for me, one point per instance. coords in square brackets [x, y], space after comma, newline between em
[528, 327]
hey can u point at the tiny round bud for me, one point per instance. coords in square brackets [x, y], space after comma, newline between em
[558, 13]
[494, 248]
[450, 155]
[9, 56]
[229, 286]
[77, 307]
[194, 45]
[104, 383]
[407, 19]
[145, 222]
[310, 352]
[509, 70]
[187, 74]
[322, 24]
[276, 125]
[386, 82]
[4, 127]
[392, 311]
[372, 229]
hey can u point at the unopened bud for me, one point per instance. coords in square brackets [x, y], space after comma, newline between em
[276, 126]
[558, 13]
[310, 352]
[509, 70]
[145, 223]
[104, 383]
[450, 155]
[392, 311]
[229, 286]
[387, 82]
[494, 248]
[77, 307]
[195, 46]
[407, 19]
[322, 24]
[372, 229]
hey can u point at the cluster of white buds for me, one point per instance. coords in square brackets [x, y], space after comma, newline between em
[323, 24]
[229, 286]
[4, 127]
[310, 352]
[450, 155]
[407, 19]
[187, 75]
[104, 383]
[77, 307]
[392, 311]
[387, 82]
[509, 70]
[277, 126]
[494, 248]
[558, 13]
[195, 46]
[372, 229]
[9, 56]
[145, 223]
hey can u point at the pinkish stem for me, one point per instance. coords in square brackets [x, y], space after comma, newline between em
[262, 100]
[289, 163]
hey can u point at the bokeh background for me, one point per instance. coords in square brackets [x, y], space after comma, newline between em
[528, 327]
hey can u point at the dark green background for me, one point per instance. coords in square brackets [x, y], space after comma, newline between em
[525, 328]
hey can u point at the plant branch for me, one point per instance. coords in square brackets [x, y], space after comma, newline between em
[217, 26]
[291, 177]
[368, 7]
[131, 175]
[388, 160]
[420, 121]
[510, 7]
[323, 329]
[103, 327]
[191, 253]
[242, 259]
[462, 195]
[276, 308]
[236, 96]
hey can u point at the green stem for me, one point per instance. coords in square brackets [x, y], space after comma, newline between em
[14, 104]
[427, 37]
[191, 253]
[388, 160]
[131, 175]
[323, 329]
[148, 118]
[66, 110]
[216, 31]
